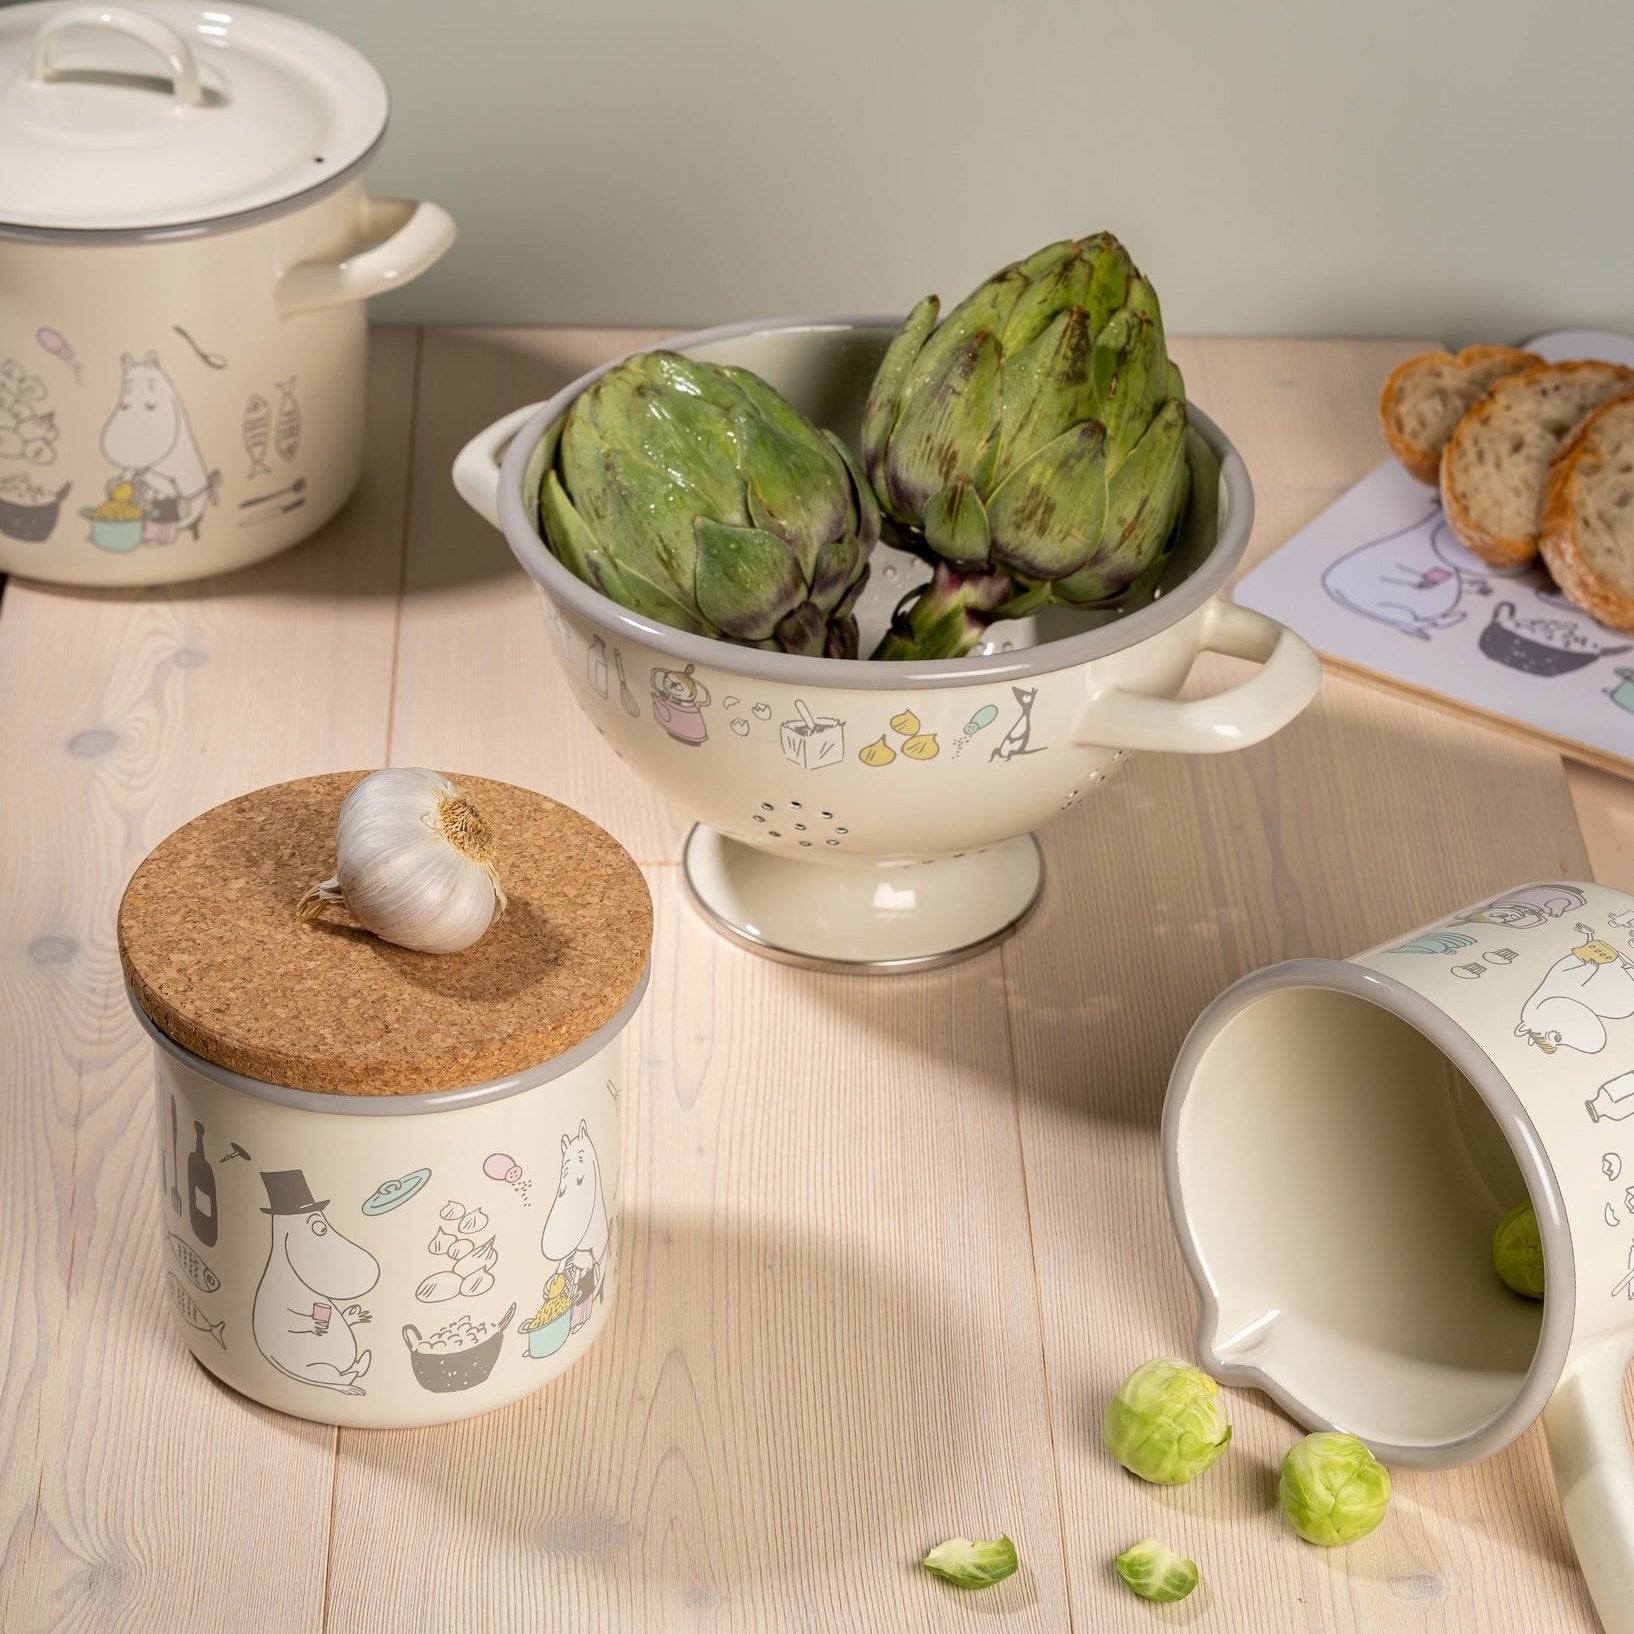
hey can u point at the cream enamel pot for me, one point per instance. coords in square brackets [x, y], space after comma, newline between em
[1341, 1138]
[878, 816]
[186, 249]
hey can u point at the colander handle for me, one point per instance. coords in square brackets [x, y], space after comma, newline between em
[476, 466]
[1234, 719]
[1594, 1471]
[411, 1335]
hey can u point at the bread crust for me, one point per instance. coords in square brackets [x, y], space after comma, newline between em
[1420, 463]
[1495, 549]
[1560, 541]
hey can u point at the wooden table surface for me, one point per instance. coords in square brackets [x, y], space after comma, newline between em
[889, 1243]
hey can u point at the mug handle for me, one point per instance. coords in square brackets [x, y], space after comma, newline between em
[1589, 1451]
[476, 466]
[416, 236]
[137, 25]
[1234, 719]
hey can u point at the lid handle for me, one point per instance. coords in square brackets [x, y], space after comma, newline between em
[157, 36]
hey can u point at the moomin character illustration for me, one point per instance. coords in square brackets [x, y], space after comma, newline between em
[576, 1233]
[149, 437]
[1409, 581]
[311, 1270]
[1593, 984]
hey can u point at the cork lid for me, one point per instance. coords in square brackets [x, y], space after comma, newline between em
[218, 958]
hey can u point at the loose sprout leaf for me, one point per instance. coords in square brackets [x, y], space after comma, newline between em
[972, 1564]
[1155, 1572]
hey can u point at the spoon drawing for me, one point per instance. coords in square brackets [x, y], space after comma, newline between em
[211, 360]
[298, 486]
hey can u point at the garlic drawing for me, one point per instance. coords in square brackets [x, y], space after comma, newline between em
[414, 863]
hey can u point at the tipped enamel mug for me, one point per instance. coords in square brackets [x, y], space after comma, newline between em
[1342, 1136]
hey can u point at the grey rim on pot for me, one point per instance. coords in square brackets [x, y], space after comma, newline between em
[1498, 1094]
[530, 549]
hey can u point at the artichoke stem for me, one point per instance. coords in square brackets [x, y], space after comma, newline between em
[948, 617]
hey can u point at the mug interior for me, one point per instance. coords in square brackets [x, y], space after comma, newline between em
[826, 374]
[1337, 1170]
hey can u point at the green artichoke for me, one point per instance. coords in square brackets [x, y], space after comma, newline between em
[1032, 446]
[695, 495]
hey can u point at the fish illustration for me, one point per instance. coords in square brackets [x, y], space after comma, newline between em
[198, 1273]
[257, 434]
[287, 431]
[190, 1313]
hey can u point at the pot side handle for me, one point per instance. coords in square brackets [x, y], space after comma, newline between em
[405, 238]
[1234, 719]
[476, 466]
[1588, 1449]
[138, 25]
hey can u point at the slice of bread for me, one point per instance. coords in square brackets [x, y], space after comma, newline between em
[1496, 462]
[1426, 396]
[1588, 515]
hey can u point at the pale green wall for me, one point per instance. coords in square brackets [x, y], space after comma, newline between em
[1374, 167]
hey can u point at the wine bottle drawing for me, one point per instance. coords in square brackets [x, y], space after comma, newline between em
[201, 1192]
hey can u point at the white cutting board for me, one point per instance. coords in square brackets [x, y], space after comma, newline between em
[1378, 584]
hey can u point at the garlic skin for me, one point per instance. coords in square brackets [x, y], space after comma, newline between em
[414, 863]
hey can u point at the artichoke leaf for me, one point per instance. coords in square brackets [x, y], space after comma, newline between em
[983, 312]
[1046, 516]
[1108, 280]
[1059, 290]
[629, 505]
[947, 430]
[576, 548]
[863, 510]
[1047, 388]
[1145, 497]
[747, 581]
[885, 395]
[956, 524]
[1137, 387]
[798, 491]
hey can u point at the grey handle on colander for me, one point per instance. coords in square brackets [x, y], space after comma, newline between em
[1588, 1448]
[1234, 719]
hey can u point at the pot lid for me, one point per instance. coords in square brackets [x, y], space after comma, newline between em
[219, 960]
[169, 115]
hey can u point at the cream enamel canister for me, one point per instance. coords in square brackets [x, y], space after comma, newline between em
[186, 253]
[389, 1181]
[877, 816]
[1342, 1137]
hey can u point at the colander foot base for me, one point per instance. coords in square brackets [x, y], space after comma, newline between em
[867, 918]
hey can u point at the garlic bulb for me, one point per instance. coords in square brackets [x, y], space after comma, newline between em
[414, 863]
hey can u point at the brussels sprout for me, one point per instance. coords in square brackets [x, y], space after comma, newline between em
[1517, 1250]
[972, 1565]
[1166, 1423]
[1156, 1573]
[1333, 1489]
